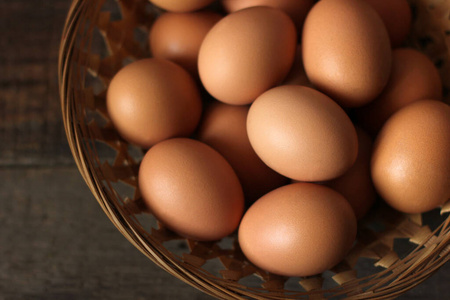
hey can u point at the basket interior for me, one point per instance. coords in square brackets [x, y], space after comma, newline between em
[393, 251]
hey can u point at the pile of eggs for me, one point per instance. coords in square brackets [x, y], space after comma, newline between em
[262, 121]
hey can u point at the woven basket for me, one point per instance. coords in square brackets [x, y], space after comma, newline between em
[393, 253]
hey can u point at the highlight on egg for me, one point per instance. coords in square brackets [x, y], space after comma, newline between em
[246, 53]
[300, 229]
[411, 162]
[302, 134]
[151, 100]
[191, 189]
[346, 51]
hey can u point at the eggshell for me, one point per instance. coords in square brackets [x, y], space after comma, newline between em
[346, 51]
[182, 6]
[151, 100]
[411, 158]
[302, 134]
[301, 229]
[246, 53]
[414, 77]
[397, 17]
[223, 127]
[192, 189]
[178, 36]
[356, 184]
[297, 73]
[296, 9]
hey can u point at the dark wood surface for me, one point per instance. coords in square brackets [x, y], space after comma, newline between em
[55, 242]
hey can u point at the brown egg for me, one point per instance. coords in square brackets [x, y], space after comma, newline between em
[192, 189]
[346, 51]
[302, 134]
[411, 157]
[246, 53]
[356, 184]
[301, 229]
[182, 6]
[296, 9]
[224, 128]
[397, 17]
[178, 36]
[414, 77]
[297, 73]
[151, 100]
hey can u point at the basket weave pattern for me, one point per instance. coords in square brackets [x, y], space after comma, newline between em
[100, 36]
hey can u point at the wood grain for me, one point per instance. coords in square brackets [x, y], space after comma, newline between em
[56, 243]
[31, 131]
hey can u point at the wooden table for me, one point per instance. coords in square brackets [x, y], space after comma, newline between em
[55, 242]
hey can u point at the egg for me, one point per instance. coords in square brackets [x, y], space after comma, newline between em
[301, 229]
[223, 127]
[356, 184]
[151, 100]
[191, 189]
[346, 51]
[414, 77]
[182, 6]
[297, 73]
[302, 134]
[397, 17]
[411, 158]
[246, 53]
[296, 9]
[178, 36]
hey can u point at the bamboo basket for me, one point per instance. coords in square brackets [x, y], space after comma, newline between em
[393, 252]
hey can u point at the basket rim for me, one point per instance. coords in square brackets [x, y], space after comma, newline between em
[66, 65]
